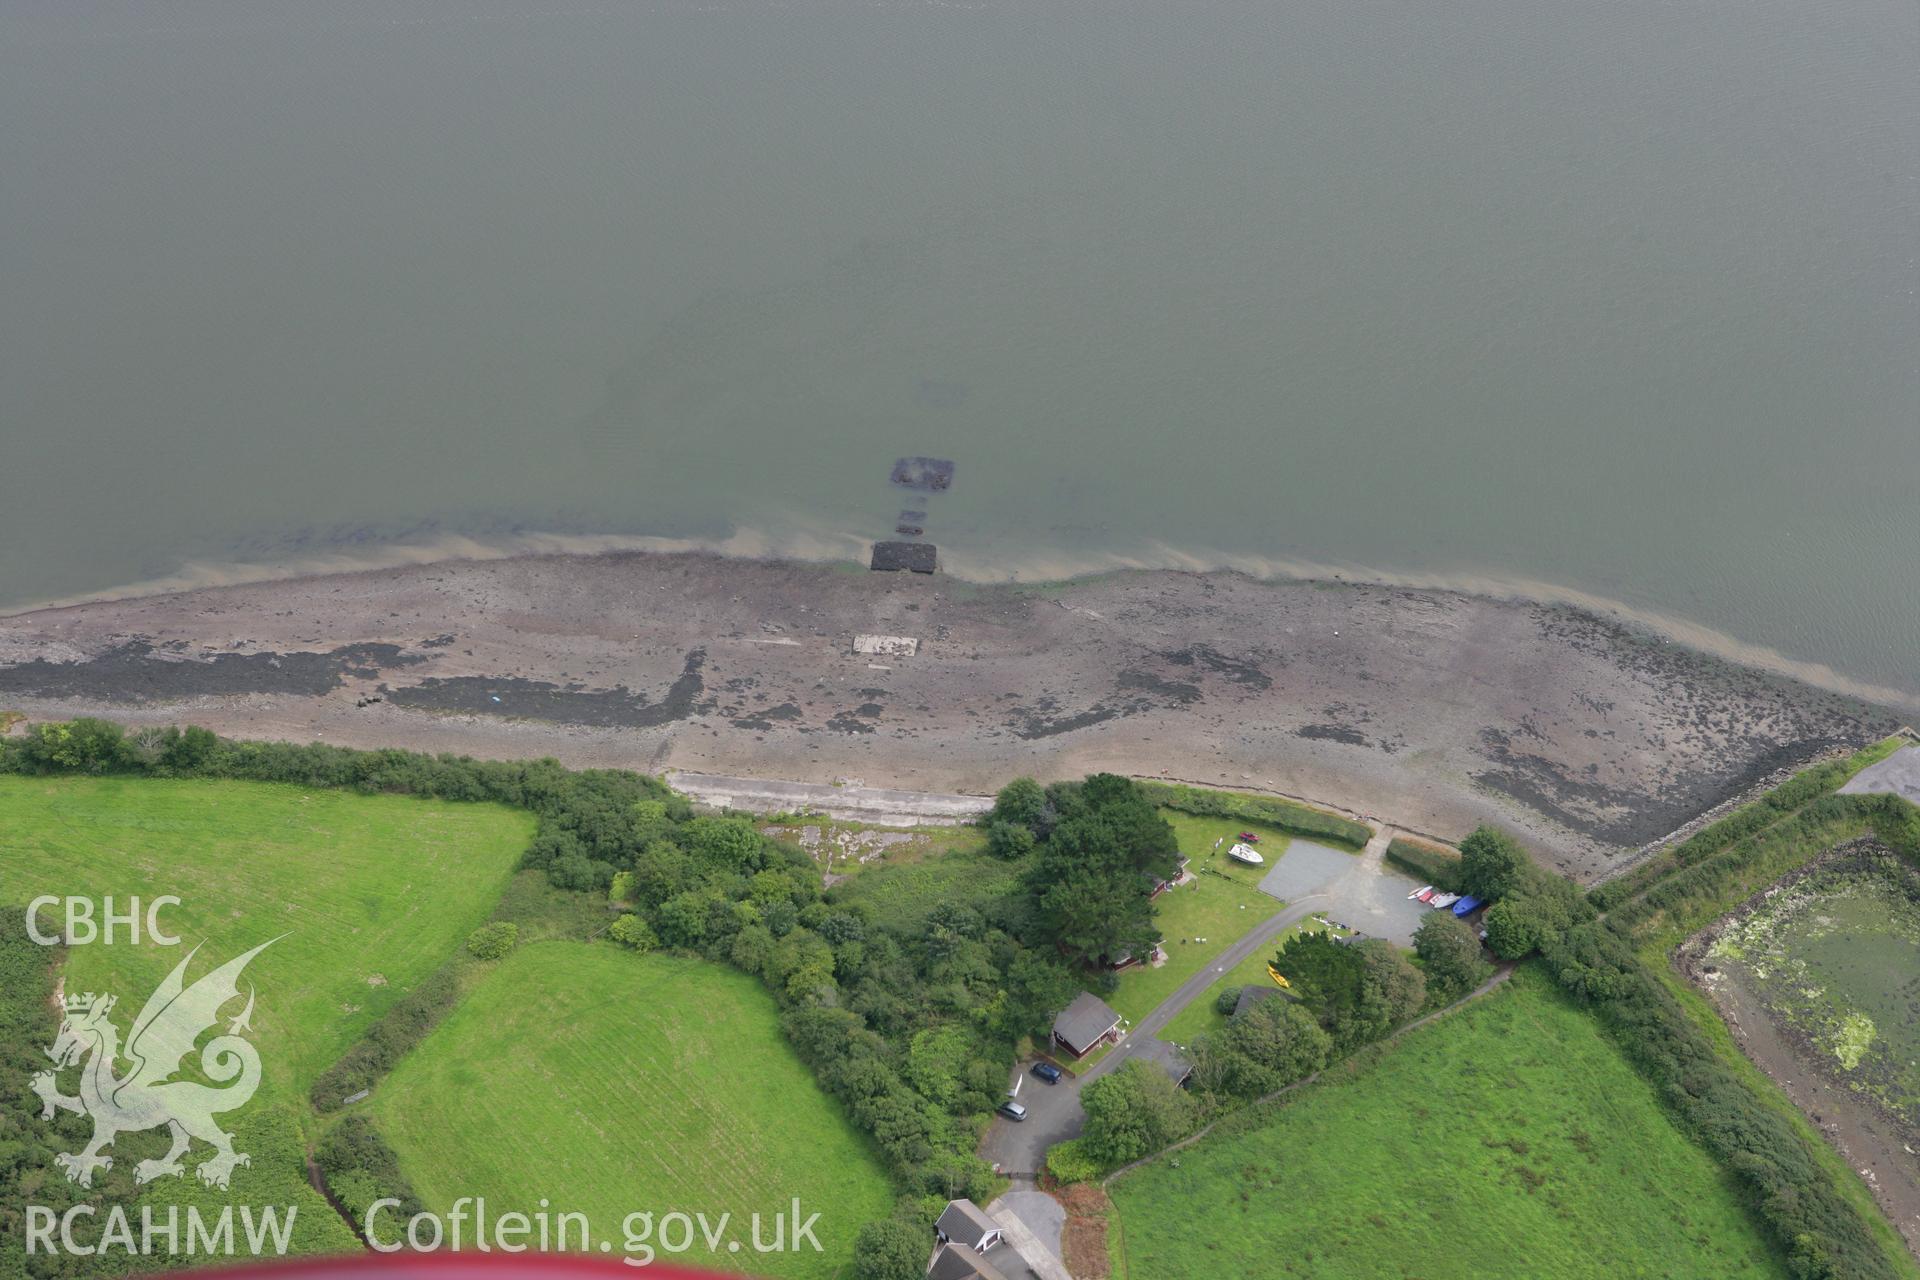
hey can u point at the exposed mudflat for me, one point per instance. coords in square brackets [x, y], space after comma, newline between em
[1431, 709]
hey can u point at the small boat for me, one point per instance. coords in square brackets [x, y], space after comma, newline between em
[1425, 888]
[1241, 853]
[1443, 899]
[1425, 895]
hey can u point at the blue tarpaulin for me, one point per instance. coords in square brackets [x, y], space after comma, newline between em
[1465, 905]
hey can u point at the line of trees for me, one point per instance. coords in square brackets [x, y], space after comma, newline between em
[913, 1028]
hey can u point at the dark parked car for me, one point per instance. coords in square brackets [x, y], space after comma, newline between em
[1048, 1072]
[1013, 1111]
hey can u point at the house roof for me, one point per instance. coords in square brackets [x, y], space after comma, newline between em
[1084, 1021]
[1252, 994]
[965, 1221]
[954, 1263]
[1168, 1056]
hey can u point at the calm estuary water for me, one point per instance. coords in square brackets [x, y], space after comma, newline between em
[1623, 298]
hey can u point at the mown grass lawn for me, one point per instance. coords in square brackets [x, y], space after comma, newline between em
[1206, 841]
[609, 1084]
[1509, 1139]
[1200, 1017]
[1197, 921]
[372, 893]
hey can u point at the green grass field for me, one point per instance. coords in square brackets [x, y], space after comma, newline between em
[1509, 1139]
[610, 1084]
[372, 893]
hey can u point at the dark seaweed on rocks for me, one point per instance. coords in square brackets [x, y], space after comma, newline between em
[618, 707]
[137, 672]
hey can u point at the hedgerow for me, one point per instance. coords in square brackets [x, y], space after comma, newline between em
[1428, 863]
[1793, 1193]
[1288, 816]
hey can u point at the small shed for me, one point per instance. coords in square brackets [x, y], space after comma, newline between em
[1084, 1024]
[966, 1224]
[1180, 876]
[1168, 1056]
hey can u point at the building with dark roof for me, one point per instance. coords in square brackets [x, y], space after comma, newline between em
[952, 1262]
[966, 1224]
[1166, 1055]
[1084, 1024]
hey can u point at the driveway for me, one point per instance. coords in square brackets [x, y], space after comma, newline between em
[1053, 1115]
[1363, 894]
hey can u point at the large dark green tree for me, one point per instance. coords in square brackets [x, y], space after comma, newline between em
[1492, 864]
[1094, 873]
[1136, 1110]
[1451, 955]
[1358, 991]
[1267, 1045]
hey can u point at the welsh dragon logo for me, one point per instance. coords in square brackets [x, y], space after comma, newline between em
[148, 1096]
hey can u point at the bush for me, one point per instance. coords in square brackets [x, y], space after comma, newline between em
[1272, 1044]
[492, 941]
[890, 1250]
[1009, 841]
[631, 932]
[1071, 1162]
[1021, 803]
[1228, 1000]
